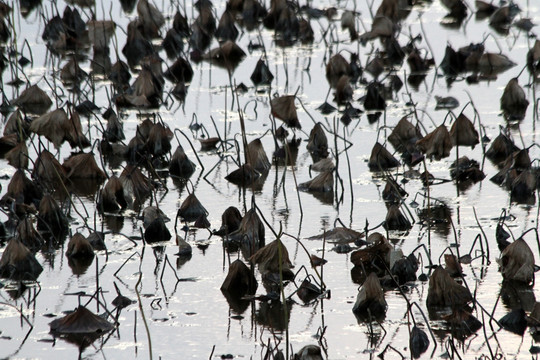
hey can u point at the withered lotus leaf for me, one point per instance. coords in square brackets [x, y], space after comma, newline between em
[79, 247]
[370, 302]
[191, 208]
[18, 156]
[180, 165]
[47, 169]
[261, 74]
[309, 352]
[378, 247]
[381, 159]
[501, 147]
[444, 291]
[418, 342]
[112, 197]
[257, 156]
[34, 100]
[239, 280]
[517, 262]
[452, 265]
[28, 235]
[135, 182]
[514, 102]
[437, 143]
[230, 221]
[83, 166]
[404, 134]
[284, 109]
[17, 124]
[324, 182]
[81, 321]
[245, 175]
[463, 132]
[228, 55]
[250, 231]
[318, 143]
[339, 235]
[157, 231]
[22, 190]
[395, 220]
[18, 262]
[268, 258]
[326, 164]
[50, 215]
[51, 126]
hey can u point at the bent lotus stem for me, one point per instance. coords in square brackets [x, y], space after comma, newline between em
[192, 147]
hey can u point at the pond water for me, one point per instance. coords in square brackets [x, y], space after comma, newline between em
[191, 318]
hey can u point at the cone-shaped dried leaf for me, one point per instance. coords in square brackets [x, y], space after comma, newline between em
[463, 132]
[370, 302]
[464, 169]
[373, 99]
[309, 352]
[462, 323]
[393, 192]
[284, 109]
[157, 231]
[112, 197]
[209, 143]
[115, 130]
[418, 342]
[240, 280]
[452, 265]
[514, 102]
[18, 263]
[226, 29]
[18, 156]
[50, 216]
[261, 74]
[71, 73]
[318, 143]
[381, 159]
[308, 291]
[180, 165]
[79, 247]
[522, 188]
[244, 176]
[533, 58]
[268, 258]
[337, 67]
[344, 90]
[150, 16]
[437, 143]
[17, 124]
[47, 169]
[324, 182]
[22, 190]
[378, 247]
[81, 321]
[515, 321]
[159, 140]
[191, 208]
[180, 71]
[100, 33]
[33, 100]
[28, 235]
[326, 164]
[491, 61]
[404, 269]
[228, 55]
[52, 126]
[250, 231]
[83, 166]
[257, 156]
[517, 262]
[395, 220]
[135, 182]
[404, 135]
[339, 235]
[443, 291]
[230, 221]
[501, 148]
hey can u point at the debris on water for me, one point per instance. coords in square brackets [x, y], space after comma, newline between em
[447, 103]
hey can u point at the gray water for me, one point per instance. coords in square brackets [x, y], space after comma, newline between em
[187, 319]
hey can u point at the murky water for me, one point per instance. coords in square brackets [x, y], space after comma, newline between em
[187, 318]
